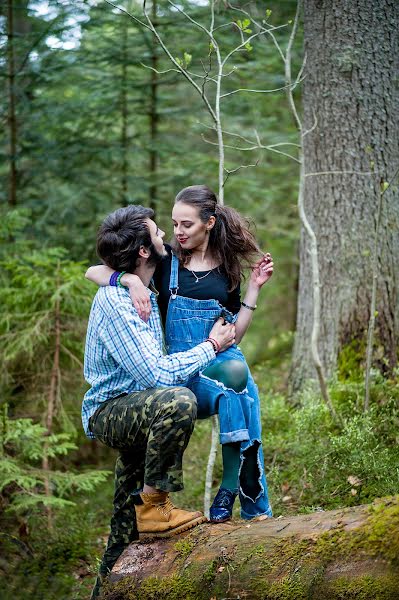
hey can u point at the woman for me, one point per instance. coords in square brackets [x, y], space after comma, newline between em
[197, 283]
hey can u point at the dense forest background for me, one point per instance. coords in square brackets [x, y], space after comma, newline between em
[93, 119]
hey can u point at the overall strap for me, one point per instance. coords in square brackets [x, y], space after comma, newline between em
[174, 276]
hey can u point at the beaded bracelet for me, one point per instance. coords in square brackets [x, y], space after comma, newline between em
[113, 279]
[215, 344]
[118, 279]
[249, 307]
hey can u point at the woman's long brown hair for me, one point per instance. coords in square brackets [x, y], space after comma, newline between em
[231, 242]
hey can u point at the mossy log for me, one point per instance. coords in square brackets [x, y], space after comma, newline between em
[339, 554]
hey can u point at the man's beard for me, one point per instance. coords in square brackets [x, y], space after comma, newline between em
[155, 257]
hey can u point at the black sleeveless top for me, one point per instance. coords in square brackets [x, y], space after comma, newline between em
[215, 285]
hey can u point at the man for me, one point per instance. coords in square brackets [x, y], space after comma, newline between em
[133, 404]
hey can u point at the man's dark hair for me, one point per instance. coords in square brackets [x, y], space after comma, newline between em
[122, 234]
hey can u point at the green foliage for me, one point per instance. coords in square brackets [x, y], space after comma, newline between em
[22, 480]
[351, 361]
[43, 293]
[59, 564]
[316, 464]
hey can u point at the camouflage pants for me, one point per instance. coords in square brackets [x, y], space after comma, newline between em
[151, 430]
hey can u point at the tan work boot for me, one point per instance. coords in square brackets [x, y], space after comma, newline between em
[158, 516]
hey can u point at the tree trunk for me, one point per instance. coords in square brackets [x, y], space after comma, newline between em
[351, 100]
[319, 555]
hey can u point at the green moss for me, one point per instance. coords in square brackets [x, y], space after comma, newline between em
[288, 588]
[184, 548]
[351, 361]
[379, 536]
[210, 573]
[153, 588]
[295, 568]
[291, 569]
[382, 529]
[364, 588]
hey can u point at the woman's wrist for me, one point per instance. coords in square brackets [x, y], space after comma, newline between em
[254, 288]
[122, 279]
[113, 280]
[249, 306]
[129, 279]
[215, 344]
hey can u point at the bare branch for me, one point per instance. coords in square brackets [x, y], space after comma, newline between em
[224, 25]
[268, 31]
[227, 132]
[210, 465]
[129, 14]
[292, 86]
[241, 46]
[230, 72]
[299, 77]
[316, 294]
[160, 72]
[232, 171]
[253, 147]
[191, 73]
[196, 23]
[182, 71]
[315, 123]
[288, 77]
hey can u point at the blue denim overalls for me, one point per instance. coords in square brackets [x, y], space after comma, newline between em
[188, 323]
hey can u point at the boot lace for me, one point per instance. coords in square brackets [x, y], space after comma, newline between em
[166, 507]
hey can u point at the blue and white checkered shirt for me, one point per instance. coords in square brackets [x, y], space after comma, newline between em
[124, 354]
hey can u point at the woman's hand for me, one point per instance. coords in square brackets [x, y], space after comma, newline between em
[262, 270]
[138, 294]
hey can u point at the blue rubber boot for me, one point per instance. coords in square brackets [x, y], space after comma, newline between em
[222, 506]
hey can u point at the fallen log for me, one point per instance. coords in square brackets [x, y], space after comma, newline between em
[339, 554]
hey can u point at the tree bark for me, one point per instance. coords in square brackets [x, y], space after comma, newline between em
[319, 555]
[349, 92]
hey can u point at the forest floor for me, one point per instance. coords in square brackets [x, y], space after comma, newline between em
[312, 464]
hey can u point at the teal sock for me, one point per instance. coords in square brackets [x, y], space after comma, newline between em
[231, 465]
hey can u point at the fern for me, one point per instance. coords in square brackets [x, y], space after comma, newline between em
[22, 482]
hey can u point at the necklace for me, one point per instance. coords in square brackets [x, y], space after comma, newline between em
[202, 276]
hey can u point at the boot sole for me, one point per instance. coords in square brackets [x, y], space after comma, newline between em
[176, 530]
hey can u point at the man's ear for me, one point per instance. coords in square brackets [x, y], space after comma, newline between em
[144, 252]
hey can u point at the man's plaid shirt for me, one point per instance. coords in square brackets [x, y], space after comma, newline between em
[124, 354]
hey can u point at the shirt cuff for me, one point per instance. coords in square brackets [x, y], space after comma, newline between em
[208, 353]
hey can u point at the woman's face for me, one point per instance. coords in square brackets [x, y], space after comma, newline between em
[190, 231]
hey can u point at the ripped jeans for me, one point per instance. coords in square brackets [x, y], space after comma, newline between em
[188, 323]
[239, 421]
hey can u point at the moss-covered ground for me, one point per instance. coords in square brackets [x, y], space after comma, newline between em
[360, 563]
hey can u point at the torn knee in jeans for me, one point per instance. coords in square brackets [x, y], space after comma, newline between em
[233, 374]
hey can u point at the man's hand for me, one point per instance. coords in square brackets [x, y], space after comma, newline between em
[223, 333]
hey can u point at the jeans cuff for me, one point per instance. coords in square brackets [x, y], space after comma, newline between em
[240, 435]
